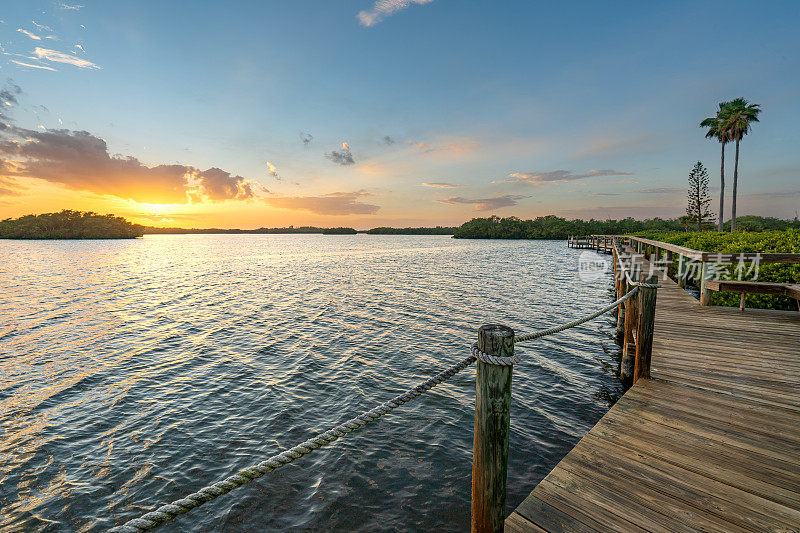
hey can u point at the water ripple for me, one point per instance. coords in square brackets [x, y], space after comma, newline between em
[134, 372]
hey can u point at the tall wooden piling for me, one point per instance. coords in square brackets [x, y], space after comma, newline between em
[629, 340]
[646, 307]
[621, 290]
[492, 422]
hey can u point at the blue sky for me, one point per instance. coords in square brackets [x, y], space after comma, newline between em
[581, 109]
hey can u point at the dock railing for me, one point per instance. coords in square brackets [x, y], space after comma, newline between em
[685, 264]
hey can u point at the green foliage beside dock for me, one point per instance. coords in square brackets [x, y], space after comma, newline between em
[787, 241]
[553, 227]
[69, 225]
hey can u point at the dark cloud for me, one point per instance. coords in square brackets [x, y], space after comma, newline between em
[219, 185]
[538, 178]
[8, 98]
[337, 203]
[388, 140]
[341, 157]
[485, 204]
[306, 138]
[79, 160]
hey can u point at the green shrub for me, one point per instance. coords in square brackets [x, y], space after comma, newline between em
[740, 241]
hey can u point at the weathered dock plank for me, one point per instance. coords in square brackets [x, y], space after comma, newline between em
[710, 443]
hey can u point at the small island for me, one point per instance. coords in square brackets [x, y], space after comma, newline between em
[339, 231]
[69, 224]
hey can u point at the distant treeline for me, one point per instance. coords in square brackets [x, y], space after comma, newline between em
[553, 227]
[151, 230]
[87, 225]
[69, 225]
[438, 230]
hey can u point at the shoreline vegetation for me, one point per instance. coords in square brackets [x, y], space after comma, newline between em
[786, 241]
[69, 224]
[553, 227]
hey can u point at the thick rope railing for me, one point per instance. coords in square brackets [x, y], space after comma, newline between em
[176, 508]
[184, 505]
[632, 282]
[545, 332]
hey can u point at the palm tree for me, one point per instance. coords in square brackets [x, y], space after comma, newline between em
[737, 118]
[718, 132]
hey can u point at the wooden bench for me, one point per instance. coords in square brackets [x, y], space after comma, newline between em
[756, 287]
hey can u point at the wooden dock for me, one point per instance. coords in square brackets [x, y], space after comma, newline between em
[710, 443]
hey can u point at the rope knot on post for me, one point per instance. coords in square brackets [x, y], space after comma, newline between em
[494, 359]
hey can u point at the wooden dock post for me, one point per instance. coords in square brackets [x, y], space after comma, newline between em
[705, 296]
[492, 422]
[646, 307]
[621, 290]
[614, 269]
[631, 315]
[670, 266]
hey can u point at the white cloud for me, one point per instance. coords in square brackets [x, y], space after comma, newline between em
[70, 7]
[345, 146]
[61, 57]
[273, 171]
[485, 204]
[385, 8]
[661, 190]
[32, 66]
[439, 185]
[29, 34]
[538, 178]
[42, 26]
[337, 203]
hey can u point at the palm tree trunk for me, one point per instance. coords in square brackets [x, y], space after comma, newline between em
[735, 180]
[721, 188]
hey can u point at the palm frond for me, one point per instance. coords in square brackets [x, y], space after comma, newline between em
[737, 116]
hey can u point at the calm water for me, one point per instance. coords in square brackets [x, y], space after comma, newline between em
[135, 372]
